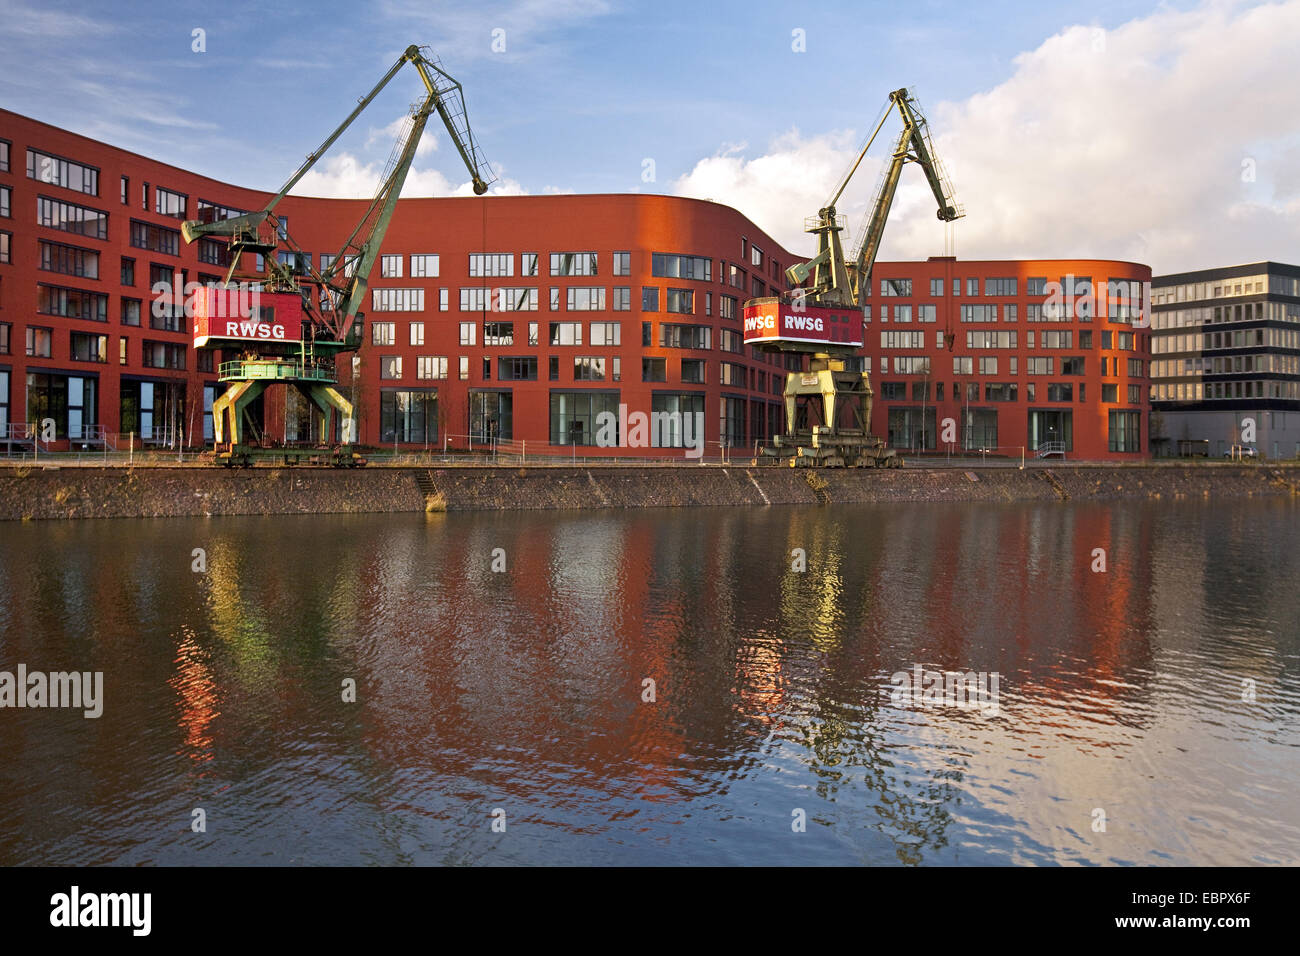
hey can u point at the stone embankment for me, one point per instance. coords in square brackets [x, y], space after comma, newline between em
[33, 492]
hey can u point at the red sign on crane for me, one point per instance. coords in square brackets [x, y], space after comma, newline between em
[773, 322]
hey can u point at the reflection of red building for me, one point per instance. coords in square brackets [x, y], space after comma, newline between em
[523, 318]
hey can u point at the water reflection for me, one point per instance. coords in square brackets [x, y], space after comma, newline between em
[526, 690]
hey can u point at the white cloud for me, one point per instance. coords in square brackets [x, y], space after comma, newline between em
[1125, 144]
[346, 177]
[386, 137]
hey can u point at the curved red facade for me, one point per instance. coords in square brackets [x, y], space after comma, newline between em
[538, 319]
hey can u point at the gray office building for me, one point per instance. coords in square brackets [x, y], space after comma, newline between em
[1225, 361]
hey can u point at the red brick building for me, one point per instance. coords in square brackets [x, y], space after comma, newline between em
[523, 318]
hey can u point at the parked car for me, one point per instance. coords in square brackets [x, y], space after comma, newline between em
[1244, 451]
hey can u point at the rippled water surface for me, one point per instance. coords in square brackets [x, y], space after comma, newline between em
[522, 692]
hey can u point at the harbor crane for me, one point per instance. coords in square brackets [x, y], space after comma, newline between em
[304, 317]
[822, 317]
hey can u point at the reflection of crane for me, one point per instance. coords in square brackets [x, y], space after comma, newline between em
[305, 317]
[816, 319]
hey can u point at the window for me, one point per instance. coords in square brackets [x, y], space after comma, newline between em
[390, 366]
[902, 313]
[1060, 392]
[1085, 339]
[728, 341]
[431, 366]
[979, 313]
[988, 365]
[84, 347]
[654, 369]
[408, 416]
[424, 267]
[731, 373]
[566, 333]
[6, 242]
[62, 172]
[681, 267]
[1000, 391]
[155, 238]
[755, 256]
[554, 368]
[390, 267]
[936, 287]
[4, 155]
[650, 298]
[72, 303]
[130, 311]
[727, 307]
[298, 263]
[680, 301]
[586, 299]
[68, 260]
[1109, 392]
[927, 313]
[417, 333]
[473, 300]
[1057, 339]
[208, 211]
[896, 287]
[444, 300]
[1036, 285]
[1135, 394]
[65, 216]
[517, 368]
[1072, 365]
[573, 263]
[580, 418]
[468, 333]
[1002, 287]
[902, 340]
[991, 339]
[588, 368]
[498, 333]
[1124, 433]
[677, 420]
[168, 203]
[383, 333]
[162, 355]
[122, 352]
[39, 342]
[685, 336]
[1039, 365]
[6, 209]
[963, 365]
[519, 299]
[622, 263]
[214, 252]
[532, 333]
[464, 368]
[528, 263]
[397, 300]
[491, 264]
[693, 371]
[622, 299]
[605, 333]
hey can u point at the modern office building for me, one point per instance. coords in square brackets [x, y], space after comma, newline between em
[1014, 353]
[523, 318]
[1226, 360]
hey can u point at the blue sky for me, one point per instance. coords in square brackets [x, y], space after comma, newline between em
[586, 90]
